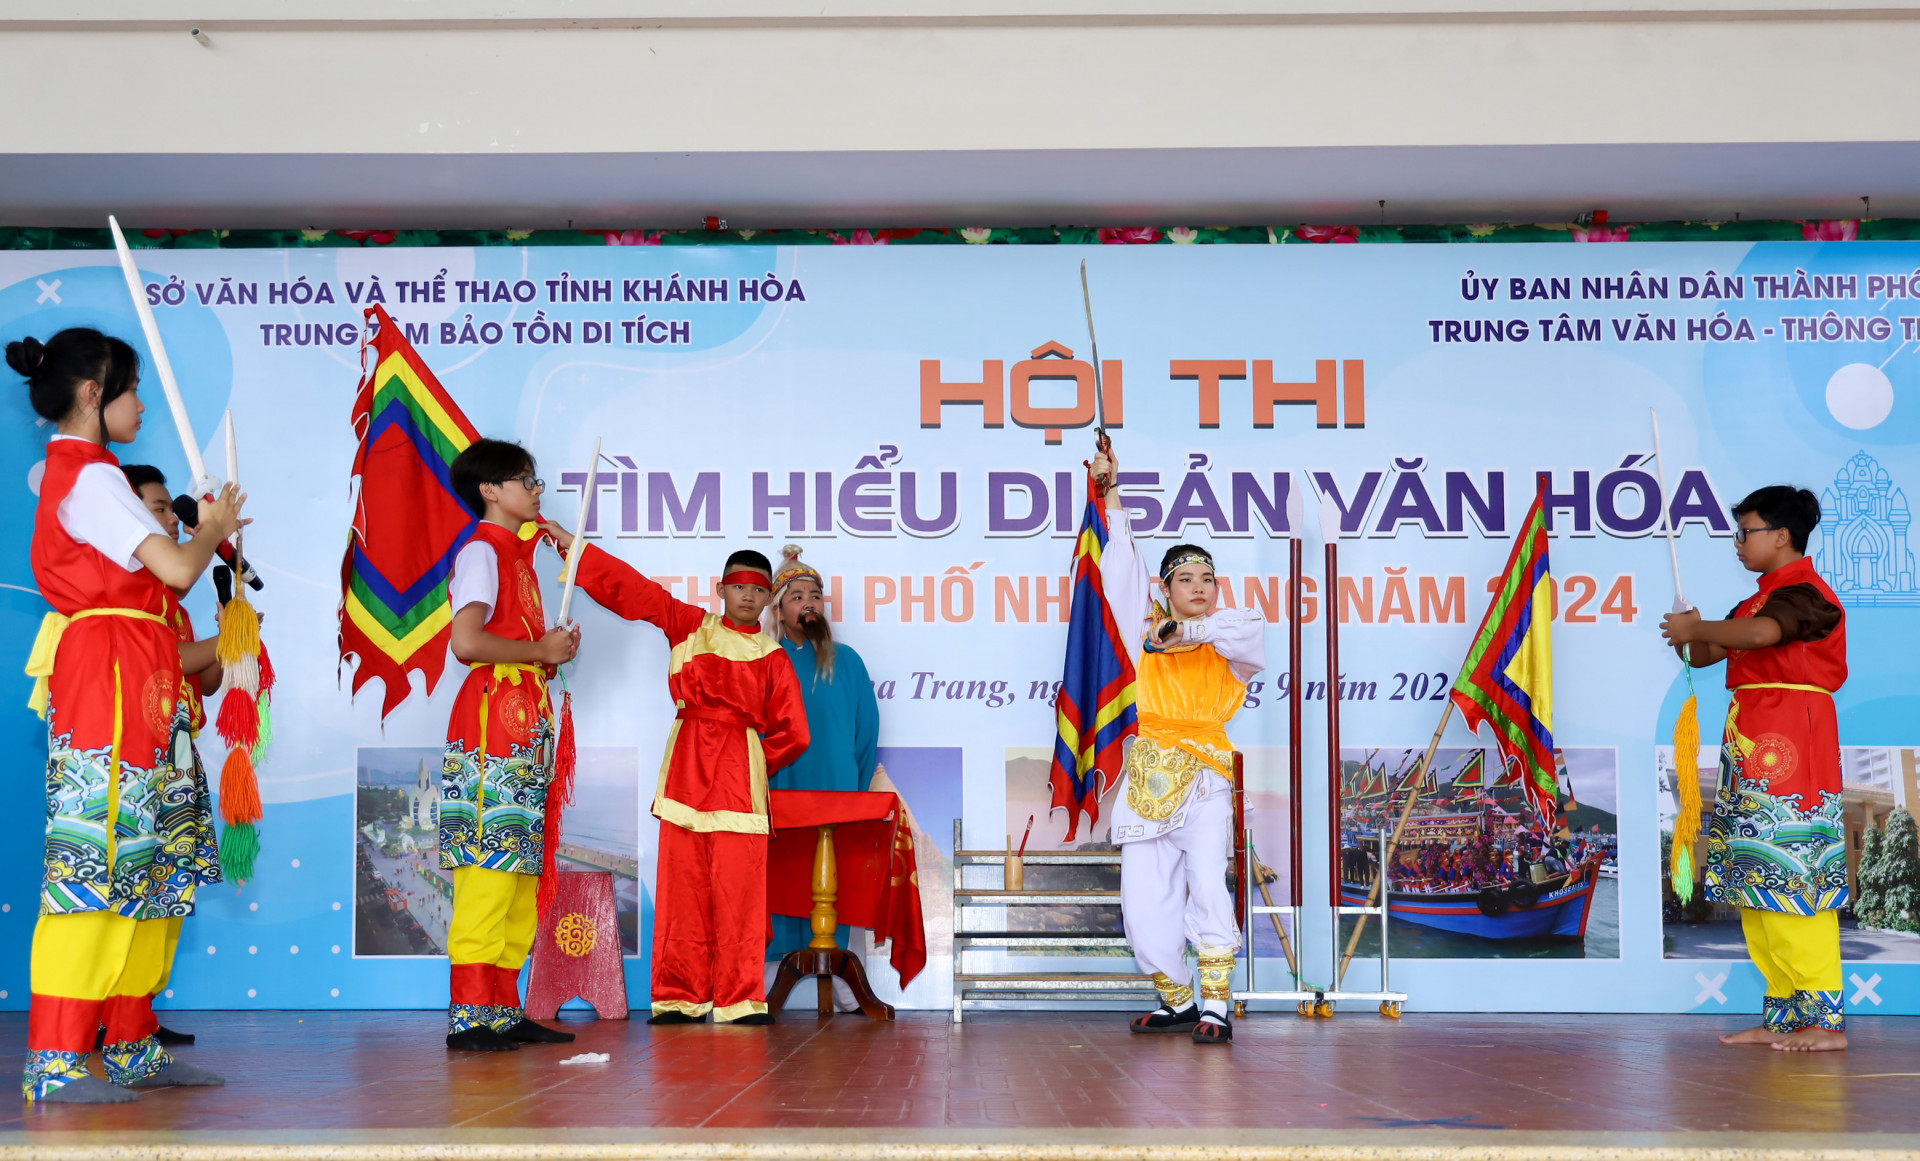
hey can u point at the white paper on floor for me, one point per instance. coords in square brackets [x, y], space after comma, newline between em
[589, 1058]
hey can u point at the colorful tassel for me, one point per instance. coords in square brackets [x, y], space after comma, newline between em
[239, 722]
[260, 744]
[239, 850]
[239, 631]
[1686, 773]
[559, 797]
[239, 789]
[245, 724]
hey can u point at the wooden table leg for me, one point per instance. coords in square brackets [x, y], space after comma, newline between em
[823, 957]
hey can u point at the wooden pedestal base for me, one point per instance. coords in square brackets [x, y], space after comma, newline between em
[824, 965]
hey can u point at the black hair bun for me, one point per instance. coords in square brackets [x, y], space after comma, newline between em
[26, 355]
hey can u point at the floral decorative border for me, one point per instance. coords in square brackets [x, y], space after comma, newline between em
[1831, 230]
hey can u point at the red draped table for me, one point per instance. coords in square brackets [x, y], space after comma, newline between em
[838, 857]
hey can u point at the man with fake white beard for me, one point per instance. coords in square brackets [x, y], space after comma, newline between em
[843, 719]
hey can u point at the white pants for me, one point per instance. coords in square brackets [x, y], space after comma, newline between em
[1173, 887]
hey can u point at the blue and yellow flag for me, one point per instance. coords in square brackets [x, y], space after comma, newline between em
[1094, 709]
[1506, 680]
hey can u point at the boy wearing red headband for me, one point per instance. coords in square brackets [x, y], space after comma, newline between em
[740, 715]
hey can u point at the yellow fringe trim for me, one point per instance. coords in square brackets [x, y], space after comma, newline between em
[1686, 774]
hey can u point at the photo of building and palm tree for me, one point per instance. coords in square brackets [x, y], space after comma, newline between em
[403, 900]
[1879, 790]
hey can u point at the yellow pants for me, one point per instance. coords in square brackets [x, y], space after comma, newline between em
[495, 919]
[172, 949]
[92, 969]
[1800, 957]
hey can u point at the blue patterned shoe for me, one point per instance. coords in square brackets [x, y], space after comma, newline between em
[62, 1078]
[132, 1061]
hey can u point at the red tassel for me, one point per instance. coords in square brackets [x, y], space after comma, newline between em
[239, 721]
[239, 789]
[559, 797]
[266, 670]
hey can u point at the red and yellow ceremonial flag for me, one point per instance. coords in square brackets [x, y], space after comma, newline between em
[1506, 680]
[408, 523]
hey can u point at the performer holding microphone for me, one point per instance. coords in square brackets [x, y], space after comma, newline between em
[108, 670]
[1173, 812]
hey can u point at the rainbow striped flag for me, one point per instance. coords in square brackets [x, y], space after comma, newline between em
[408, 523]
[1094, 710]
[1506, 680]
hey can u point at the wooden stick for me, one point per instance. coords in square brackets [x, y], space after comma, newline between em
[580, 532]
[202, 483]
[1393, 844]
[1260, 871]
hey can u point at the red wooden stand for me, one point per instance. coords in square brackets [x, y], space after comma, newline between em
[577, 952]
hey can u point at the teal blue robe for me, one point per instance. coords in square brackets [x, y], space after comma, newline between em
[844, 720]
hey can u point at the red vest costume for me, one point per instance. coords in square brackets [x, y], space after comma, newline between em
[1774, 843]
[499, 738]
[112, 671]
[111, 701]
[740, 714]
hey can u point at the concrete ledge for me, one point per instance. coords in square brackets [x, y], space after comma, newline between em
[1412, 1144]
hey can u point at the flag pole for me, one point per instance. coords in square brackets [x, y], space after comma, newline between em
[1393, 844]
[579, 533]
[203, 484]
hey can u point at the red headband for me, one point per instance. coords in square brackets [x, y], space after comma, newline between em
[748, 576]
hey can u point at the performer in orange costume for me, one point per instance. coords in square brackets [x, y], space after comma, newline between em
[741, 714]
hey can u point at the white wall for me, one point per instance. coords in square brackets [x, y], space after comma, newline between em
[462, 78]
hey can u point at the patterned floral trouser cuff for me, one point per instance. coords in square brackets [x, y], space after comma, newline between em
[135, 1060]
[1821, 1010]
[1779, 1014]
[505, 1017]
[465, 1017]
[1805, 1009]
[48, 1070]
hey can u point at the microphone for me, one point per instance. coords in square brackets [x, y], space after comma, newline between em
[187, 510]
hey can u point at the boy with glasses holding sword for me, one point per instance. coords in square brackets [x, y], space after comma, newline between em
[1774, 845]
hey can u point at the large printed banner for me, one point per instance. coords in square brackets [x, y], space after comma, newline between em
[916, 420]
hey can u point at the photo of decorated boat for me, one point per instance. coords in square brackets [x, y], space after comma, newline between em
[1524, 910]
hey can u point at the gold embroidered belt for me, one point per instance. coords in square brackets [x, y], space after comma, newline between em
[1168, 755]
[1783, 685]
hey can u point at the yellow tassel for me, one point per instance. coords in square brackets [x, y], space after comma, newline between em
[239, 631]
[1686, 773]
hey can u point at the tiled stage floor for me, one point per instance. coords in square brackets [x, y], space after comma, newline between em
[1431, 1078]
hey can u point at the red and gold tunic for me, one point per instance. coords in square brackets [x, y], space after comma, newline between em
[1774, 842]
[741, 712]
[493, 791]
[111, 696]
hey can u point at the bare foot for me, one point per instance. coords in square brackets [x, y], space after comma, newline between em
[1812, 1040]
[1760, 1037]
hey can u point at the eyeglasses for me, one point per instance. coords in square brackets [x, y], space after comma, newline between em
[1741, 533]
[530, 483]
